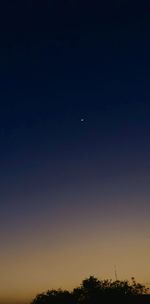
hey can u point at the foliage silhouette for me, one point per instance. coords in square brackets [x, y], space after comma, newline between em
[54, 297]
[94, 291]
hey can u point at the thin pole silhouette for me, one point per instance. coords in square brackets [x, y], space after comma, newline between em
[115, 271]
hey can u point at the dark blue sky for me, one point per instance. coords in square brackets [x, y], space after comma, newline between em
[61, 61]
[64, 60]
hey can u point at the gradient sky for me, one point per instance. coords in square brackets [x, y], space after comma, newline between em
[74, 195]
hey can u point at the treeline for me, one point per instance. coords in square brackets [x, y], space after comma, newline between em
[94, 291]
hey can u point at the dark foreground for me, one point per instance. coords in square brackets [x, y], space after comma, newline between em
[143, 299]
[93, 291]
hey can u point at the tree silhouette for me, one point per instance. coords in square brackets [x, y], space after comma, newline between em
[89, 290]
[54, 297]
[94, 291]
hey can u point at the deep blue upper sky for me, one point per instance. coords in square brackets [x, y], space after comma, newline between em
[64, 60]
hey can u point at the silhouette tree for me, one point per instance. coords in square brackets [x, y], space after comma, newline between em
[93, 291]
[89, 290]
[54, 297]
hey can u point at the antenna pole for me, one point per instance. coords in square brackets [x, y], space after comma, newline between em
[115, 271]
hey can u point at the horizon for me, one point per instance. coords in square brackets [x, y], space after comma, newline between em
[18, 300]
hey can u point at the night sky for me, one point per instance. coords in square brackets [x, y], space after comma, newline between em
[74, 143]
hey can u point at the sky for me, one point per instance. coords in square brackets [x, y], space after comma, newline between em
[74, 144]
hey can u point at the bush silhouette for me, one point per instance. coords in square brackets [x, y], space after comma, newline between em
[54, 297]
[94, 291]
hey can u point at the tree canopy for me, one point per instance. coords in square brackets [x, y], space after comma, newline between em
[91, 291]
